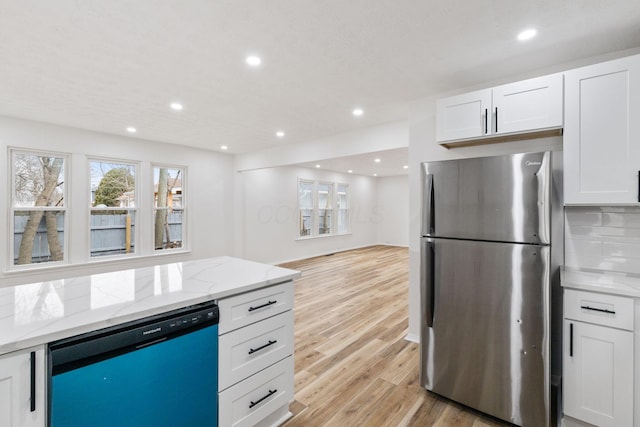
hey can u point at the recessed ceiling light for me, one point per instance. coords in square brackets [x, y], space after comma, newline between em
[377, 160]
[223, 147]
[280, 134]
[131, 129]
[350, 171]
[176, 106]
[527, 34]
[253, 60]
[375, 174]
[317, 166]
[405, 167]
[358, 112]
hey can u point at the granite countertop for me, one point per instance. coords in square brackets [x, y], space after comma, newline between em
[39, 313]
[606, 282]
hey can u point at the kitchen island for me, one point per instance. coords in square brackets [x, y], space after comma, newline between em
[33, 315]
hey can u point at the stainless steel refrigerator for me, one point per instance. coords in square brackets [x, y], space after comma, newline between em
[491, 249]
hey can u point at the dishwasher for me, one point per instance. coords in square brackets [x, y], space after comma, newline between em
[157, 371]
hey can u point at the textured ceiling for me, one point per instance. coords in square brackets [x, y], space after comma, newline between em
[105, 65]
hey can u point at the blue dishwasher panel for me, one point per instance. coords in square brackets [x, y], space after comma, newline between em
[171, 383]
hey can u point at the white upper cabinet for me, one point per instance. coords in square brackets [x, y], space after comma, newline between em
[527, 106]
[464, 116]
[532, 104]
[602, 133]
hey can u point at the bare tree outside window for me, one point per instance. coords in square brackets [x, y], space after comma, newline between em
[38, 208]
[169, 207]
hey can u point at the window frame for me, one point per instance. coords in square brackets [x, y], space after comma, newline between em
[184, 246]
[347, 209]
[66, 166]
[136, 209]
[299, 220]
[315, 210]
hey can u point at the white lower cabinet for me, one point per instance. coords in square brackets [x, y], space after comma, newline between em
[22, 395]
[255, 363]
[598, 359]
[253, 401]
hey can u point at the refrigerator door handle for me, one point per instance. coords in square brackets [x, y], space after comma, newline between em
[430, 282]
[428, 215]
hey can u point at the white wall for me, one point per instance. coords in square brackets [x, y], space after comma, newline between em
[269, 214]
[209, 193]
[393, 203]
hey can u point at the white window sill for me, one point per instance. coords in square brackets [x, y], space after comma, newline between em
[323, 236]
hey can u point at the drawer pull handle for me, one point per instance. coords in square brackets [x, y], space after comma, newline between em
[32, 381]
[271, 392]
[601, 310]
[262, 306]
[570, 339]
[253, 350]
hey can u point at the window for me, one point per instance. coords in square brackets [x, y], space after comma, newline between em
[38, 207]
[322, 208]
[342, 207]
[113, 208]
[305, 207]
[325, 208]
[169, 206]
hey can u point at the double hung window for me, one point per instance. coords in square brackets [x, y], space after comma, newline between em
[38, 207]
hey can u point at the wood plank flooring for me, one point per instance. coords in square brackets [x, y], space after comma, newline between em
[353, 366]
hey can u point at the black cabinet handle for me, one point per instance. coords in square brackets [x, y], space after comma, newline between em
[262, 306]
[271, 392]
[253, 350]
[431, 286]
[33, 381]
[486, 120]
[570, 339]
[601, 310]
[496, 119]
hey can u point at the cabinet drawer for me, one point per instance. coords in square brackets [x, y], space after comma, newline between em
[601, 309]
[241, 310]
[255, 398]
[248, 350]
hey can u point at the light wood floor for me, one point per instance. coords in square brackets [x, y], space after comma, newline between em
[353, 366]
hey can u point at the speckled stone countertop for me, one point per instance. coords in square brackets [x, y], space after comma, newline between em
[42, 312]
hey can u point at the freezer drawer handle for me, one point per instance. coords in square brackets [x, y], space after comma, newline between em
[601, 310]
[271, 392]
[33, 381]
[253, 350]
[570, 339]
[262, 306]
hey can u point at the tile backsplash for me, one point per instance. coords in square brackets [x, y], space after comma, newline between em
[603, 238]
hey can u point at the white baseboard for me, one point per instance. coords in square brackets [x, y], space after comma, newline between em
[413, 338]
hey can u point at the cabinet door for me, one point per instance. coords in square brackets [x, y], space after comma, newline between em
[602, 133]
[464, 116]
[598, 374]
[528, 105]
[20, 406]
